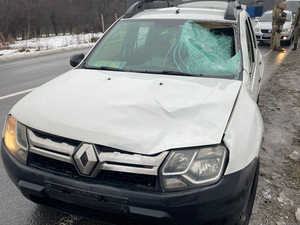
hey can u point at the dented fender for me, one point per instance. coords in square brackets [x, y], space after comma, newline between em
[244, 132]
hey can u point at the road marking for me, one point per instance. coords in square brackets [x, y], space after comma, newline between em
[268, 53]
[15, 94]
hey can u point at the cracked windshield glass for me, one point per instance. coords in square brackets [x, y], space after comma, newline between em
[169, 47]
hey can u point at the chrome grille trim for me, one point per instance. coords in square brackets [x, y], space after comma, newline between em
[111, 161]
[51, 155]
[140, 164]
[37, 142]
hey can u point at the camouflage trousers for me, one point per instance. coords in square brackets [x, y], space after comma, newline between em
[274, 27]
[296, 37]
[277, 38]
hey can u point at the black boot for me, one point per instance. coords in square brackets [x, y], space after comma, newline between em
[295, 47]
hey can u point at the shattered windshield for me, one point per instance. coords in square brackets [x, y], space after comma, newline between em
[174, 47]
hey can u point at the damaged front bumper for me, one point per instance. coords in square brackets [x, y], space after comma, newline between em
[222, 203]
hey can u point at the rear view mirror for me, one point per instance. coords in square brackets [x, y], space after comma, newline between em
[76, 59]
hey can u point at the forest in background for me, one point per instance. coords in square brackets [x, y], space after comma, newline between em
[33, 18]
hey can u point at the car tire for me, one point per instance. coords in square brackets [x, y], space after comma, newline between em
[247, 214]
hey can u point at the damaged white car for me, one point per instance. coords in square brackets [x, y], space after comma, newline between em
[158, 124]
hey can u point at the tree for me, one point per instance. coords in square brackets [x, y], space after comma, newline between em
[32, 9]
[54, 22]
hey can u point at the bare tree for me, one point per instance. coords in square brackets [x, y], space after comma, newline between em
[28, 18]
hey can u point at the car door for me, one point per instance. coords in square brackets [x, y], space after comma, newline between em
[256, 65]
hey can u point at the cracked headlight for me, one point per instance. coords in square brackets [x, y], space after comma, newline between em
[198, 167]
[286, 30]
[15, 139]
[257, 30]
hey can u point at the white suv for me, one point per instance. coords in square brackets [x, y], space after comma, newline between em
[158, 124]
[263, 29]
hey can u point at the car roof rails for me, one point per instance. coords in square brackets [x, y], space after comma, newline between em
[146, 4]
[231, 11]
[230, 14]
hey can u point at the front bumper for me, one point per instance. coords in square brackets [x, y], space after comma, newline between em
[285, 36]
[222, 203]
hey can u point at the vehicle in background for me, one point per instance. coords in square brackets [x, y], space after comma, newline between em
[263, 29]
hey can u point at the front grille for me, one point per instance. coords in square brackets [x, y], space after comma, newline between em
[140, 179]
[52, 165]
[106, 165]
[265, 31]
[104, 177]
[106, 217]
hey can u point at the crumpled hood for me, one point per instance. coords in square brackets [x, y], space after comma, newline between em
[139, 113]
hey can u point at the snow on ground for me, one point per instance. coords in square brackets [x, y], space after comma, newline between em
[46, 45]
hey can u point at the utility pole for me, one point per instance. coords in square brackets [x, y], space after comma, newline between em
[103, 29]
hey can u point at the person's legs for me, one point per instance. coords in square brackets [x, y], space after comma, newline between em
[296, 37]
[273, 36]
[278, 38]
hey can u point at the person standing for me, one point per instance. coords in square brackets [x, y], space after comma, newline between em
[296, 26]
[273, 23]
[280, 18]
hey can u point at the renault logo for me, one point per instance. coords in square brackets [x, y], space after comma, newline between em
[85, 159]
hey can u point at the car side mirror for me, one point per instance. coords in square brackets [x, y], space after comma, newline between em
[76, 59]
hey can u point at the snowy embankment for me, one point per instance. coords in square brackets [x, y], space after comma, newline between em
[46, 45]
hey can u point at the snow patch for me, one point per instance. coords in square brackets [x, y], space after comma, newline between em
[47, 45]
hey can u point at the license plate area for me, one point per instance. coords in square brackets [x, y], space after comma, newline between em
[87, 198]
[266, 35]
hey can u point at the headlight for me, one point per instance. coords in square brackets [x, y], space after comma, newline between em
[286, 30]
[257, 30]
[185, 169]
[15, 139]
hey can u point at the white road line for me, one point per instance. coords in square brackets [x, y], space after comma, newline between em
[15, 94]
[268, 53]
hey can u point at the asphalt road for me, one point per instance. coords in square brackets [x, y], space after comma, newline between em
[17, 78]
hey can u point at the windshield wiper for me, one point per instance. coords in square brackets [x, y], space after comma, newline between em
[178, 73]
[102, 68]
[169, 72]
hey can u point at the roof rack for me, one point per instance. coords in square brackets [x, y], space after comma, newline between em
[146, 4]
[231, 11]
[230, 14]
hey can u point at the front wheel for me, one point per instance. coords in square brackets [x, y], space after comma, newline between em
[247, 215]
